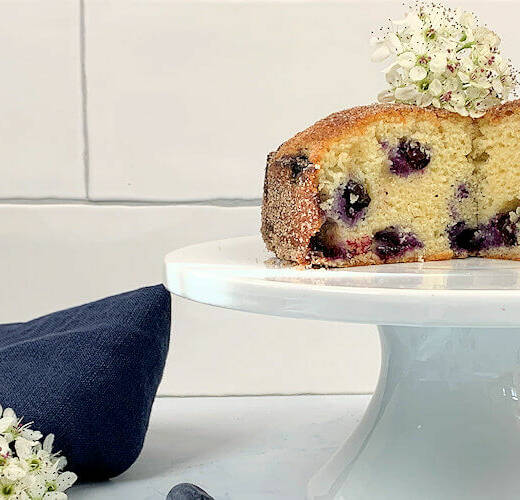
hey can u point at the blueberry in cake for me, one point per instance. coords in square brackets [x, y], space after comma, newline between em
[396, 183]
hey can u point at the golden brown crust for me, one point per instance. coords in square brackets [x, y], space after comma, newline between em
[502, 253]
[290, 212]
[315, 140]
[501, 257]
[502, 110]
[370, 258]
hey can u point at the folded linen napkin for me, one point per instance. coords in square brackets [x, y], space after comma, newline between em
[89, 375]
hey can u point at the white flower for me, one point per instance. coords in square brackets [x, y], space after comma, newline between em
[406, 94]
[486, 37]
[435, 88]
[411, 20]
[51, 485]
[381, 53]
[30, 435]
[55, 495]
[386, 96]
[392, 73]
[407, 60]
[394, 44]
[443, 58]
[12, 491]
[23, 447]
[424, 100]
[6, 422]
[65, 480]
[497, 86]
[417, 73]
[8, 412]
[48, 442]
[15, 469]
[438, 63]
[29, 470]
[467, 18]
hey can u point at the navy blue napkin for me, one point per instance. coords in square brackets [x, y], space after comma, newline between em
[89, 375]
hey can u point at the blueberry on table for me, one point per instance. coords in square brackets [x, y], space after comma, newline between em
[187, 491]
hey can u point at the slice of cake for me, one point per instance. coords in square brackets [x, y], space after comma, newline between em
[395, 183]
[370, 185]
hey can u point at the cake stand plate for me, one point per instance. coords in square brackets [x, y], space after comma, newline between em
[444, 422]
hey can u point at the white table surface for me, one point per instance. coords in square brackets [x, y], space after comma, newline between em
[237, 448]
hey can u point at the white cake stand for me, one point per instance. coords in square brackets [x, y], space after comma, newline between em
[444, 422]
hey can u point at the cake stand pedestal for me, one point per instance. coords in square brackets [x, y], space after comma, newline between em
[444, 422]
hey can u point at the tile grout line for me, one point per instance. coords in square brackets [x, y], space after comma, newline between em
[84, 100]
[264, 395]
[216, 202]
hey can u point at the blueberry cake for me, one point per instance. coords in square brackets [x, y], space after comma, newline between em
[396, 183]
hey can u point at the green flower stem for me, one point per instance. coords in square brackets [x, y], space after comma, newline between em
[466, 46]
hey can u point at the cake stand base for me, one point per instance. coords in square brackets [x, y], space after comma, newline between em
[444, 422]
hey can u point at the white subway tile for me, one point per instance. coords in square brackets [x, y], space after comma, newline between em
[56, 256]
[187, 98]
[40, 101]
[229, 352]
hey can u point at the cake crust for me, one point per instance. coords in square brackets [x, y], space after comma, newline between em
[293, 212]
[370, 258]
[315, 140]
[496, 113]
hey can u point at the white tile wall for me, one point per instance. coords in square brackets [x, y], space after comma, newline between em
[40, 100]
[187, 99]
[58, 256]
[183, 99]
[230, 352]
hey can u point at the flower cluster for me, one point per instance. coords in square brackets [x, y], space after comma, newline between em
[28, 468]
[443, 58]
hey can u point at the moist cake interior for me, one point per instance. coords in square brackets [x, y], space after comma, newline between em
[496, 157]
[395, 189]
[397, 184]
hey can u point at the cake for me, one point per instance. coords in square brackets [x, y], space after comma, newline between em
[390, 183]
[430, 173]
